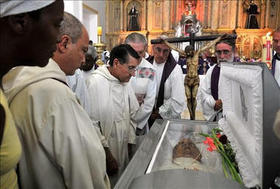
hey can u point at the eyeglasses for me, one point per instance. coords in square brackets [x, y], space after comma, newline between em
[225, 52]
[130, 69]
[164, 51]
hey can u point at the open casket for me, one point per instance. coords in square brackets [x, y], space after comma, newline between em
[251, 99]
[153, 167]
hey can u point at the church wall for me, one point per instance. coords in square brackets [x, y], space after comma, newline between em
[100, 8]
[157, 16]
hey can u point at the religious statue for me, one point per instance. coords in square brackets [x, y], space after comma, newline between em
[192, 79]
[190, 6]
[133, 24]
[252, 10]
[191, 25]
[178, 30]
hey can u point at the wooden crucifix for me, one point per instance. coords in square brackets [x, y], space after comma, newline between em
[192, 79]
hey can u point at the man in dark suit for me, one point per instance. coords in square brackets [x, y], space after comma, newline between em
[276, 58]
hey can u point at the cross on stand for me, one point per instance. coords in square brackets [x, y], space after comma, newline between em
[192, 39]
[192, 79]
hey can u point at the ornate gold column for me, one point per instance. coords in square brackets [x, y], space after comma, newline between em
[144, 16]
[166, 15]
[215, 14]
[263, 14]
[239, 15]
[150, 13]
[122, 16]
[208, 8]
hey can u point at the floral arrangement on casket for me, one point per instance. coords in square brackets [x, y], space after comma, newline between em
[216, 141]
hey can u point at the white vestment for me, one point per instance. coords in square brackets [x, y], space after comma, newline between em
[174, 92]
[114, 107]
[87, 74]
[78, 85]
[61, 147]
[144, 85]
[207, 100]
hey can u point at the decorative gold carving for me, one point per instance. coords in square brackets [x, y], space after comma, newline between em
[157, 3]
[215, 18]
[249, 42]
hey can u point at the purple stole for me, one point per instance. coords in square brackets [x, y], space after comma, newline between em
[215, 79]
[215, 76]
[168, 68]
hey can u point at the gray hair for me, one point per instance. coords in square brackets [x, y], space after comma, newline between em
[71, 26]
[228, 39]
[136, 38]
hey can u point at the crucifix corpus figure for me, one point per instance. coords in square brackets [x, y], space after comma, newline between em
[192, 79]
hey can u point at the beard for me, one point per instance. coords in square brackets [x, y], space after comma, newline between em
[230, 59]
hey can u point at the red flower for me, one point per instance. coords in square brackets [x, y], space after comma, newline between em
[210, 143]
[218, 135]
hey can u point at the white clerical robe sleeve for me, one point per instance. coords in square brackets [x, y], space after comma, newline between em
[133, 108]
[78, 85]
[96, 115]
[207, 100]
[146, 108]
[176, 103]
[72, 142]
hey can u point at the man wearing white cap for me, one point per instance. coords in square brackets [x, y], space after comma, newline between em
[28, 28]
[62, 148]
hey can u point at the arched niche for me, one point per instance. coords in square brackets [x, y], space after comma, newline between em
[128, 5]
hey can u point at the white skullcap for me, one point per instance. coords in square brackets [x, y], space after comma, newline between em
[13, 7]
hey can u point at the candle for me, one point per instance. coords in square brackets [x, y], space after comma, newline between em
[99, 30]
[267, 49]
